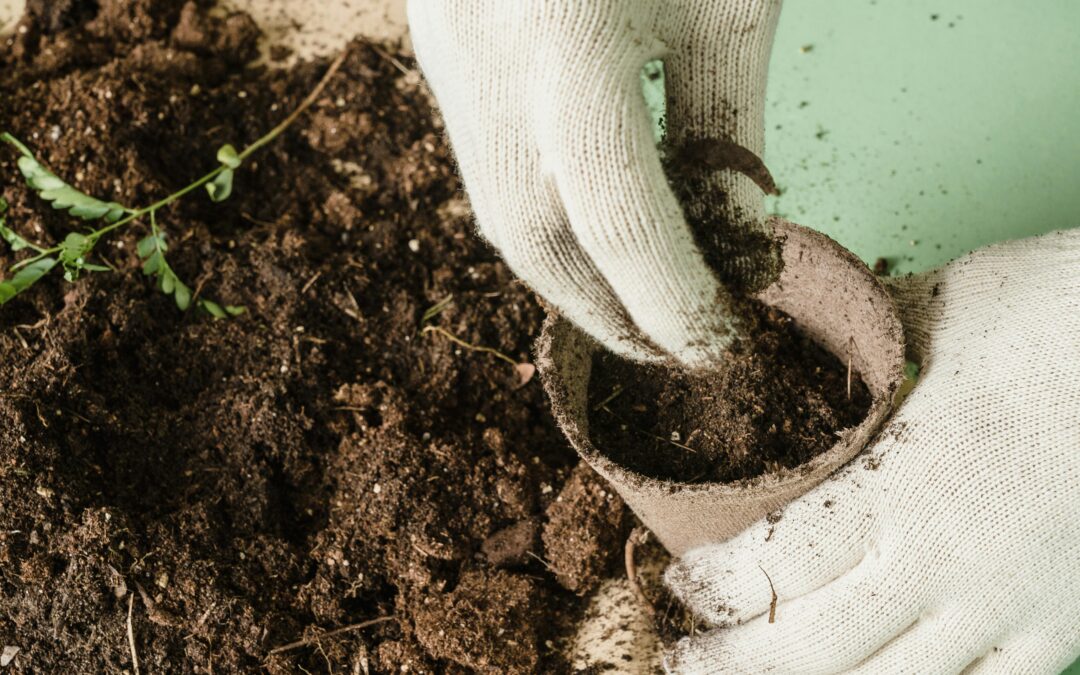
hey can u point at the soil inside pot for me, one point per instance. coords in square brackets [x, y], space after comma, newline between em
[313, 464]
[777, 401]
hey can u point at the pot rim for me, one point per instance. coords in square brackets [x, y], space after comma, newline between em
[851, 440]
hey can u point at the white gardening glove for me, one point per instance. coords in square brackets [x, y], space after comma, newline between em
[955, 539]
[543, 104]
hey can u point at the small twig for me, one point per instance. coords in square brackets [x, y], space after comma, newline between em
[436, 309]
[156, 614]
[77, 416]
[199, 286]
[615, 392]
[355, 312]
[131, 635]
[255, 221]
[389, 57]
[476, 348]
[304, 105]
[420, 549]
[649, 434]
[543, 562]
[330, 633]
[351, 408]
[638, 536]
[310, 282]
[22, 340]
[849, 375]
[851, 343]
[772, 603]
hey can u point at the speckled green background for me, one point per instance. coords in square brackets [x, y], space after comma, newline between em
[918, 130]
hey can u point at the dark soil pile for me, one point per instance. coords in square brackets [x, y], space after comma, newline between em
[315, 463]
[777, 401]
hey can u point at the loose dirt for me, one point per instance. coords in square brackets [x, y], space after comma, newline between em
[776, 402]
[316, 463]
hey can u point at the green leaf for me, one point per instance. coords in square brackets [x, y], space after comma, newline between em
[75, 246]
[25, 278]
[182, 294]
[221, 187]
[16, 242]
[151, 249]
[228, 156]
[150, 243]
[63, 196]
[436, 309]
[8, 138]
[213, 309]
[218, 312]
[153, 264]
[168, 282]
[73, 252]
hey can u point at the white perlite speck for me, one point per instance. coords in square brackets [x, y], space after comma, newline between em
[8, 655]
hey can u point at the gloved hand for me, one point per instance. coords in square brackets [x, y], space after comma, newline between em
[543, 104]
[955, 539]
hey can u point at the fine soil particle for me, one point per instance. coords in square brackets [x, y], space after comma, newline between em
[734, 244]
[487, 623]
[586, 527]
[315, 463]
[777, 401]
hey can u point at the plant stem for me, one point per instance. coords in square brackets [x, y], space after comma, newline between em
[304, 105]
[244, 154]
[135, 214]
[42, 253]
[468, 345]
[138, 213]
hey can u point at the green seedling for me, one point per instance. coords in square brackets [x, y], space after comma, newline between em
[72, 255]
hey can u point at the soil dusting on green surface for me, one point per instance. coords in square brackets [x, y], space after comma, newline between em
[316, 463]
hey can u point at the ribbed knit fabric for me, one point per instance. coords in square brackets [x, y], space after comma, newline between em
[952, 543]
[543, 105]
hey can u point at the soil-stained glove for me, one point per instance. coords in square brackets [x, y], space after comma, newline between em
[543, 104]
[954, 541]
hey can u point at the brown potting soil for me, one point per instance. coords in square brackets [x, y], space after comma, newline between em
[777, 401]
[237, 486]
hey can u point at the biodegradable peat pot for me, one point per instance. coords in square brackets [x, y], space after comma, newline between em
[835, 300]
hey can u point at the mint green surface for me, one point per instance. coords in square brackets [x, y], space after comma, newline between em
[886, 126]
[918, 139]
[917, 131]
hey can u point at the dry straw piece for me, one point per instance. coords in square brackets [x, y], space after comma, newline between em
[835, 300]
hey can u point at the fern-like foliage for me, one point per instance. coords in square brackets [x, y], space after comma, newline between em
[53, 189]
[71, 254]
[13, 239]
[220, 188]
[151, 250]
[26, 276]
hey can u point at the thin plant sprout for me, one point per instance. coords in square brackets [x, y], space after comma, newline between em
[71, 255]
